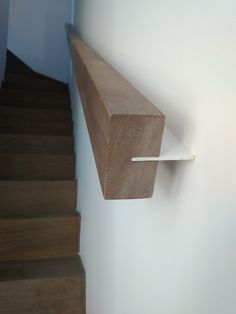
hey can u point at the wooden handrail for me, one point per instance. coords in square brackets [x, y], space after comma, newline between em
[121, 122]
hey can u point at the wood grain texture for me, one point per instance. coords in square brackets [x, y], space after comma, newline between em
[121, 122]
[37, 198]
[40, 271]
[36, 167]
[39, 238]
[50, 286]
[36, 144]
[42, 296]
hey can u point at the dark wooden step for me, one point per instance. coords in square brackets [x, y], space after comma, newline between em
[35, 114]
[37, 198]
[39, 127]
[18, 81]
[34, 99]
[36, 144]
[28, 94]
[35, 103]
[36, 167]
[51, 286]
[17, 66]
[39, 238]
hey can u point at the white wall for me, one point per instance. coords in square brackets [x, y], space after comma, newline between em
[4, 14]
[37, 35]
[174, 253]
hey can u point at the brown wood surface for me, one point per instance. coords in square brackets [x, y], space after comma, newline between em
[42, 296]
[38, 127]
[40, 287]
[19, 81]
[37, 198]
[35, 114]
[36, 144]
[33, 95]
[36, 167]
[121, 122]
[40, 271]
[33, 99]
[39, 238]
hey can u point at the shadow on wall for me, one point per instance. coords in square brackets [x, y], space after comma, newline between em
[182, 126]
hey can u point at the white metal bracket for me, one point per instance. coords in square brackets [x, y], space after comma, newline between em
[171, 150]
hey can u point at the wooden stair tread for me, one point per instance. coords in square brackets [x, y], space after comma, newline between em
[36, 144]
[39, 238]
[40, 271]
[22, 126]
[32, 94]
[35, 114]
[34, 99]
[50, 286]
[37, 167]
[35, 104]
[14, 80]
[14, 77]
[16, 66]
[24, 270]
[37, 198]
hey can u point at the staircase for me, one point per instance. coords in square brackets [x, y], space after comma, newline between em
[40, 271]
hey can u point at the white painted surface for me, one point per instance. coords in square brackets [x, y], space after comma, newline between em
[4, 14]
[174, 253]
[171, 150]
[37, 35]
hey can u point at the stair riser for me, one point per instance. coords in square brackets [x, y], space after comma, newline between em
[59, 296]
[27, 99]
[40, 271]
[16, 126]
[34, 114]
[37, 167]
[37, 104]
[32, 87]
[22, 82]
[26, 94]
[39, 238]
[37, 198]
[35, 144]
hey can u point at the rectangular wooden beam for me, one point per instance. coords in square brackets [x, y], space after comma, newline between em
[121, 122]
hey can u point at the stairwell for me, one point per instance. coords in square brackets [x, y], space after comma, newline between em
[40, 270]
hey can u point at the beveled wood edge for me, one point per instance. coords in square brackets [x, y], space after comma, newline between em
[127, 89]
